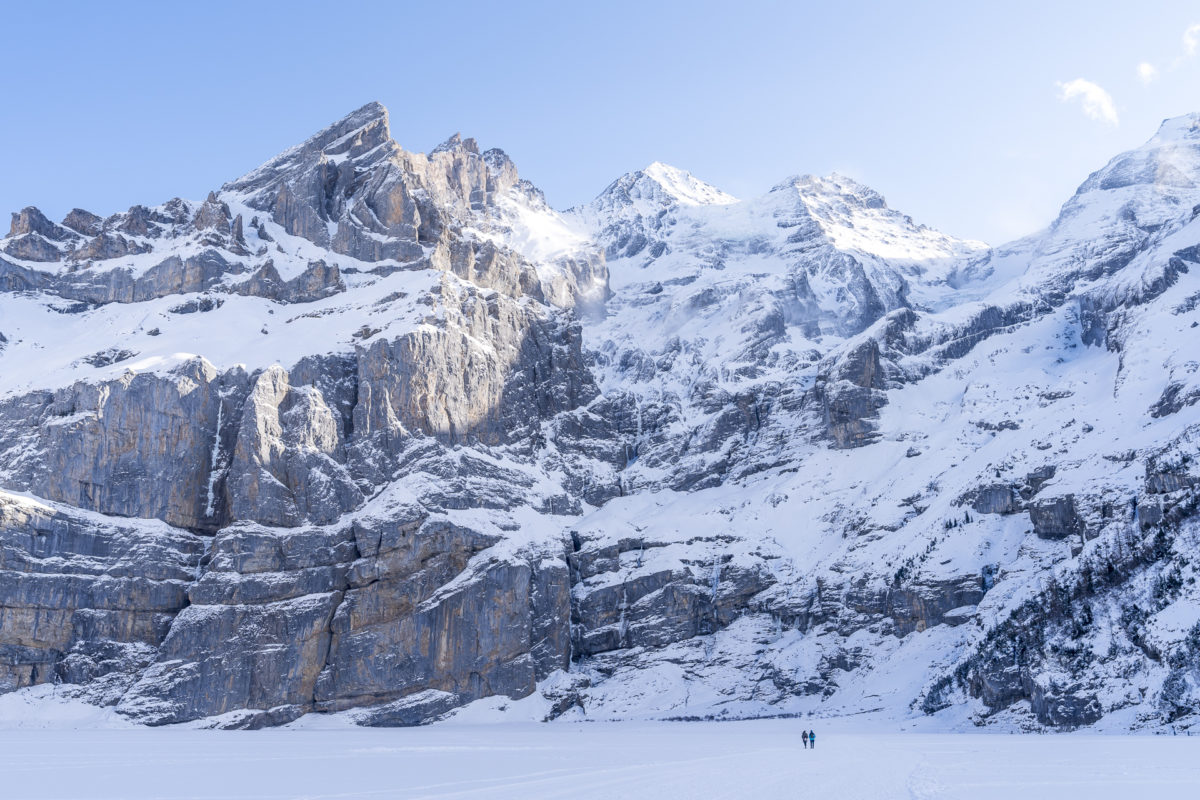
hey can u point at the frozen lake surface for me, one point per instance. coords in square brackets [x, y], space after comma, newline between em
[762, 759]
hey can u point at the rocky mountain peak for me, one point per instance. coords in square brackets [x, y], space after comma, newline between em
[833, 188]
[659, 185]
[635, 213]
[363, 132]
[1167, 163]
[31, 220]
[1186, 126]
[456, 142]
[82, 221]
[853, 218]
[367, 126]
[352, 189]
[1140, 197]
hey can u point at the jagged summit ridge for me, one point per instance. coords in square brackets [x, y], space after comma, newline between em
[455, 142]
[626, 214]
[833, 184]
[1136, 202]
[360, 132]
[847, 257]
[347, 198]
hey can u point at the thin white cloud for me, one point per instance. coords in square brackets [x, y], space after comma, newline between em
[1191, 39]
[1147, 72]
[1096, 103]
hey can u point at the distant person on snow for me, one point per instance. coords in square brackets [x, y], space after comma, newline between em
[812, 739]
[804, 736]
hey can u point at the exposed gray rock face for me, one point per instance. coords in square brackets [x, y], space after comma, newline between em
[34, 238]
[1055, 517]
[637, 593]
[1036, 479]
[920, 604]
[418, 709]
[85, 599]
[288, 622]
[288, 463]
[319, 280]
[851, 394]
[202, 272]
[235, 657]
[31, 221]
[138, 446]
[996, 498]
[436, 382]
[83, 222]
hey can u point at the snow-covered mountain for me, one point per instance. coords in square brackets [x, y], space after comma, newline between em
[382, 432]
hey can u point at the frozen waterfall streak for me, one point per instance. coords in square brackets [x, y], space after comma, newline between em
[214, 461]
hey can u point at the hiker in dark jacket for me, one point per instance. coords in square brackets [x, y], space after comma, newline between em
[804, 736]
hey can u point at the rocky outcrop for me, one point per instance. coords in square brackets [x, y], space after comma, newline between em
[919, 604]
[439, 382]
[851, 393]
[32, 237]
[995, 498]
[1055, 517]
[207, 271]
[1011, 498]
[381, 612]
[86, 599]
[289, 460]
[83, 222]
[137, 446]
[319, 280]
[636, 593]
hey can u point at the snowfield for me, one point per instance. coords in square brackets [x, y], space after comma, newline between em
[495, 748]
[760, 759]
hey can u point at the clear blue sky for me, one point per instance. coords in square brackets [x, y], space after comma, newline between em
[954, 113]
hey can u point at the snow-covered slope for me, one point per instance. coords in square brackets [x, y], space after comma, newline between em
[387, 426]
[1032, 427]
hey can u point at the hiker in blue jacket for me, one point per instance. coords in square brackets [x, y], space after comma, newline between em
[812, 739]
